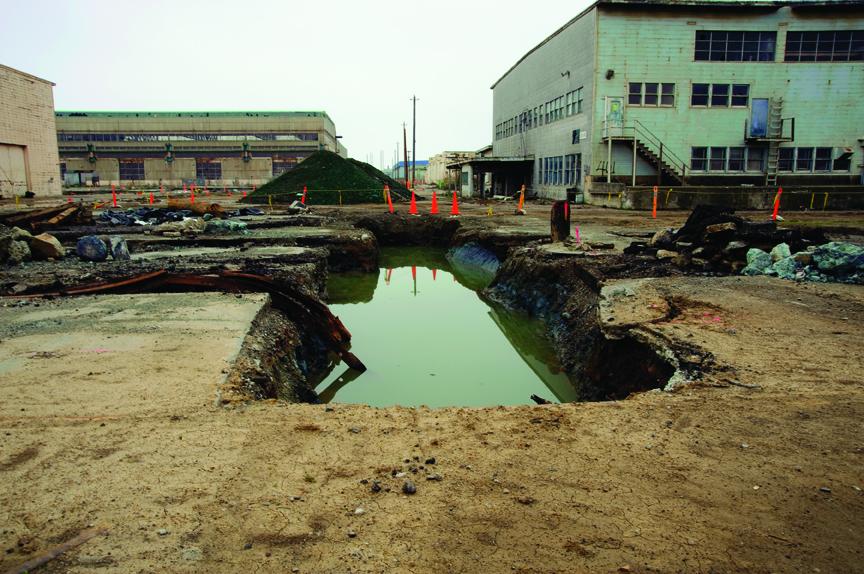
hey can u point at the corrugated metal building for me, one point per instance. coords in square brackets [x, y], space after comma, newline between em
[695, 92]
[217, 148]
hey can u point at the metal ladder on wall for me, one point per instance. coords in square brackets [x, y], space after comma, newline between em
[775, 132]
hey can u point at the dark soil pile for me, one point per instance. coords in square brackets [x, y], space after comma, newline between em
[329, 180]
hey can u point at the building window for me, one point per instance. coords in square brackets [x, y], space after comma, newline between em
[719, 46]
[756, 159]
[718, 159]
[651, 94]
[280, 166]
[828, 46]
[699, 97]
[131, 169]
[62, 170]
[804, 161]
[823, 159]
[576, 137]
[719, 95]
[740, 95]
[736, 158]
[573, 104]
[843, 163]
[634, 96]
[698, 158]
[667, 94]
[785, 158]
[205, 169]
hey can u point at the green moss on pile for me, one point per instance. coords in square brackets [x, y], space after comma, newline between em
[325, 174]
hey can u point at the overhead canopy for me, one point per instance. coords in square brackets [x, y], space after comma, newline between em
[493, 163]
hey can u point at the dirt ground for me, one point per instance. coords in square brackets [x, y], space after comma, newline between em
[757, 468]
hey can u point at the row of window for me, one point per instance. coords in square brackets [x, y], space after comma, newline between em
[808, 159]
[656, 94]
[298, 136]
[790, 159]
[133, 169]
[563, 106]
[559, 170]
[650, 94]
[822, 46]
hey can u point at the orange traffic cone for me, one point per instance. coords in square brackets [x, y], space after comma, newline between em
[244, 193]
[151, 198]
[113, 196]
[454, 211]
[434, 274]
[434, 210]
[413, 209]
[389, 199]
[192, 195]
[69, 199]
[522, 199]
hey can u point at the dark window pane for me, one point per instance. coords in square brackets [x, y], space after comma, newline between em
[718, 159]
[635, 95]
[736, 159]
[823, 159]
[698, 157]
[740, 94]
[699, 96]
[785, 158]
[651, 89]
[755, 159]
[720, 95]
[805, 159]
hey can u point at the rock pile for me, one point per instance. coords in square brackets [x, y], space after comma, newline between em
[714, 239]
[831, 262]
[18, 245]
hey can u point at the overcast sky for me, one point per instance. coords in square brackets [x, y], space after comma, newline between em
[360, 61]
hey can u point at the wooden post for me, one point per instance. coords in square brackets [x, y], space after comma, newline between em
[560, 222]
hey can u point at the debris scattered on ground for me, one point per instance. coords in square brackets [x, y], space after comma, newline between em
[831, 262]
[46, 246]
[159, 215]
[38, 220]
[330, 179]
[714, 239]
[91, 248]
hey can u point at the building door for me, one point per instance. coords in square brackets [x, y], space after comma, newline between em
[13, 169]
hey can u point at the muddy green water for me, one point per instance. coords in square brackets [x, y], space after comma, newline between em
[429, 339]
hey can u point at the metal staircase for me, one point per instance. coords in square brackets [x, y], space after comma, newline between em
[775, 135]
[650, 148]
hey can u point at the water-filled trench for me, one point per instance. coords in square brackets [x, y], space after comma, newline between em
[428, 338]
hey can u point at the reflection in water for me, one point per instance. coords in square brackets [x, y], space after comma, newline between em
[436, 343]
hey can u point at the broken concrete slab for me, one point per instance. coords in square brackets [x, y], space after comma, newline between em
[110, 355]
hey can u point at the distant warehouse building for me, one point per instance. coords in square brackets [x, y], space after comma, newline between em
[28, 138]
[684, 92]
[216, 148]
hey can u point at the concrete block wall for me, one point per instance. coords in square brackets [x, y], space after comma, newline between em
[173, 173]
[27, 120]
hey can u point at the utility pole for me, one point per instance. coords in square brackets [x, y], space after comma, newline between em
[414, 141]
[405, 150]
